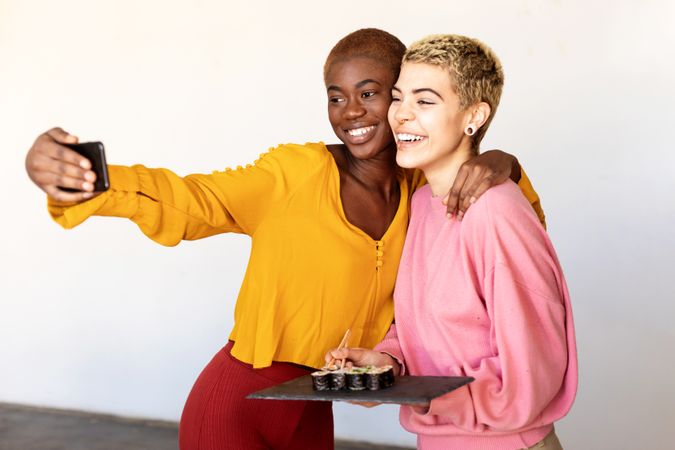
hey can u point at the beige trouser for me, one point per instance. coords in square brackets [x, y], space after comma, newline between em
[550, 442]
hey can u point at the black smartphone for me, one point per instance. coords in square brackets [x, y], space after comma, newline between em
[95, 153]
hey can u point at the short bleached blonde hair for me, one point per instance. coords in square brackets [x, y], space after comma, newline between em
[475, 71]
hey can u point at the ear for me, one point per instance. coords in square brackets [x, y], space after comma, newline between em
[478, 114]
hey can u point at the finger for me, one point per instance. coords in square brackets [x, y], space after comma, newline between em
[329, 355]
[357, 356]
[45, 171]
[41, 163]
[456, 190]
[343, 353]
[53, 144]
[488, 169]
[477, 174]
[47, 146]
[62, 136]
[59, 152]
[332, 357]
[476, 193]
[67, 197]
[470, 188]
[365, 404]
[58, 180]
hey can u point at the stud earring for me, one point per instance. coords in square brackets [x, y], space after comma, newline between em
[470, 130]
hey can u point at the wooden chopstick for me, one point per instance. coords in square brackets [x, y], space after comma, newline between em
[343, 343]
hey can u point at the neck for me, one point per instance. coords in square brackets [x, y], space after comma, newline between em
[376, 173]
[442, 173]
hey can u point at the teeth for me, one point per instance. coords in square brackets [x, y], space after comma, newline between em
[360, 131]
[405, 137]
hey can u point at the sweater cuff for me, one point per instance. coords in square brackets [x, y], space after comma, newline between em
[445, 404]
[113, 202]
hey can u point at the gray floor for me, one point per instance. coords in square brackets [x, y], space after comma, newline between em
[28, 428]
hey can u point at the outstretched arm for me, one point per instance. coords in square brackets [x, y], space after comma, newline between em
[168, 208]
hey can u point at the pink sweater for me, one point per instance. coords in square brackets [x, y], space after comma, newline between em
[484, 298]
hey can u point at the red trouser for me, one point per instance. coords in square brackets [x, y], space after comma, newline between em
[217, 416]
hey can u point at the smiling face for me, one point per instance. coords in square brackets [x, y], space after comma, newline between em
[359, 94]
[427, 119]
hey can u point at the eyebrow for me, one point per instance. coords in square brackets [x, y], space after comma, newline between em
[420, 90]
[360, 84]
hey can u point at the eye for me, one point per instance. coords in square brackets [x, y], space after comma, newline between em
[425, 102]
[368, 94]
[335, 100]
[395, 99]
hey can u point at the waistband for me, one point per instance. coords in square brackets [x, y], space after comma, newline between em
[278, 371]
[477, 441]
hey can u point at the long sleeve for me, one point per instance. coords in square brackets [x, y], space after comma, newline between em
[524, 382]
[392, 346]
[512, 389]
[169, 208]
[531, 195]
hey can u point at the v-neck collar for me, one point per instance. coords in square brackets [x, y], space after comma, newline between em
[403, 200]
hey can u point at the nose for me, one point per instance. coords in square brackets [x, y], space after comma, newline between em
[354, 110]
[401, 112]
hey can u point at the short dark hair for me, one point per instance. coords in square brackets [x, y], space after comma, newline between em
[368, 43]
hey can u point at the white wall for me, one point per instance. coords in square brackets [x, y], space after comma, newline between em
[102, 319]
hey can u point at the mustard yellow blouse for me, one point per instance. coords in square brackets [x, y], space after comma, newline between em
[311, 273]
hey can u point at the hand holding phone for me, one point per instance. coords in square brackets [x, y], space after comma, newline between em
[95, 153]
[52, 164]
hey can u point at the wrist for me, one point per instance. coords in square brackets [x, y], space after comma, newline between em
[393, 362]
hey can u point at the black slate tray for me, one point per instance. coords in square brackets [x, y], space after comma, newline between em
[407, 390]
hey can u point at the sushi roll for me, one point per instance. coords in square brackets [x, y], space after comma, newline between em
[338, 380]
[321, 380]
[373, 378]
[386, 376]
[379, 378]
[356, 379]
